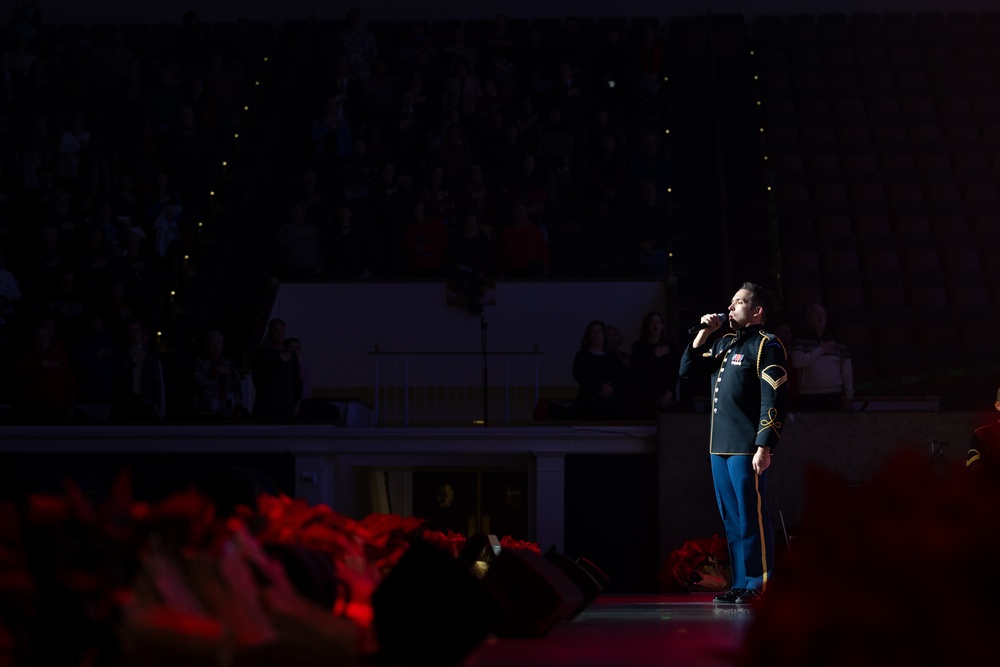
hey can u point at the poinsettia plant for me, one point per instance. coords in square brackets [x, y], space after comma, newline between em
[174, 579]
[698, 565]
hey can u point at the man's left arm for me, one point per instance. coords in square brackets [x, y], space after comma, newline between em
[773, 401]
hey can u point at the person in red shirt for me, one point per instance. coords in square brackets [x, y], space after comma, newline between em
[46, 389]
[522, 250]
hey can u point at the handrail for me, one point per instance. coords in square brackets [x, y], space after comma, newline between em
[433, 389]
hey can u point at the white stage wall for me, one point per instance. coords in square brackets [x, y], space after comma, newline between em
[339, 324]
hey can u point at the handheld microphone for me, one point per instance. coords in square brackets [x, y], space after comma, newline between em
[701, 325]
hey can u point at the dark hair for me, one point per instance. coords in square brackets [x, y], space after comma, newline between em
[759, 296]
[585, 340]
[647, 322]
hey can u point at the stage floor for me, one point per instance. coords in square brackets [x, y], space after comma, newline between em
[630, 631]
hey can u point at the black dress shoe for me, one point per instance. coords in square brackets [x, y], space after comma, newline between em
[749, 596]
[731, 596]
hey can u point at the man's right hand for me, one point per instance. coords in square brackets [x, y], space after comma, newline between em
[712, 322]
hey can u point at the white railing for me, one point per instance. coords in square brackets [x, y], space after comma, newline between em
[455, 388]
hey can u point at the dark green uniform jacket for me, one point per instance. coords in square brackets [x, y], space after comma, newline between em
[749, 393]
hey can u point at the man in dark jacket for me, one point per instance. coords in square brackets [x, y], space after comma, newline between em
[749, 403]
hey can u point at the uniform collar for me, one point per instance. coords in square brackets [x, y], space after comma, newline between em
[747, 331]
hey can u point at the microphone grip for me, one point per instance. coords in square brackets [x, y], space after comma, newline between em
[701, 325]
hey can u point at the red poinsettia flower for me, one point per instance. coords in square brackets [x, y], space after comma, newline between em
[508, 542]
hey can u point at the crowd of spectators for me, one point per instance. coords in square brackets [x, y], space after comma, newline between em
[613, 384]
[505, 149]
[514, 149]
[111, 138]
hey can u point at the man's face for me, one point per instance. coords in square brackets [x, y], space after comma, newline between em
[741, 313]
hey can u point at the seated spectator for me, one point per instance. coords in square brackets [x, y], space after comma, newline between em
[655, 364]
[218, 391]
[522, 251]
[276, 377]
[94, 362]
[139, 393]
[299, 246]
[599, 374]
[45, 389]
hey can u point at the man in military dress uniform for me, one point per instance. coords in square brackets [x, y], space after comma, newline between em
[749, 404]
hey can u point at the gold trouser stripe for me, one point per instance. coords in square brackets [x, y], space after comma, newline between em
[760, 527]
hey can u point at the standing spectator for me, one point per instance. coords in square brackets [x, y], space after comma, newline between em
[607, 172]
[347, 253]
[825, 374]
[649, 252]
[46, 386]
[276, 377]
[529, 186]
[347, 89]
[136, 271]
[139, 391]
[459, 50]
[522, 251]
[654, 369]
[455, 157]
[424, 242]
[72, 150]
[10, 291]
[299, 246]
[471, 259]
[598, 374]
[94, 363]
[438, 199]
[615, 342]
[650, 164]
[331, 134]
[26, 20]
[294, 345]
[462, 94]
[218, 391]
[357, 43]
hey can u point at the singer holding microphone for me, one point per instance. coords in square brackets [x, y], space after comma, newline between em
[749, 404]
